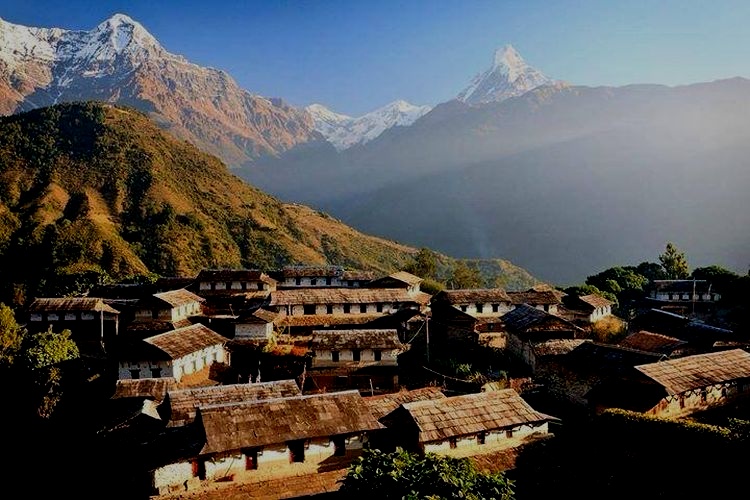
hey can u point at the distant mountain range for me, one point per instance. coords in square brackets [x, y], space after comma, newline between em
[562, 179]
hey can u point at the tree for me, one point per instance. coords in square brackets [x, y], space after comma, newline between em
[407, 475]
[721, 278]
[651, 270]
[424, 264]
[674, 263]
[11, 336]
[465, 276]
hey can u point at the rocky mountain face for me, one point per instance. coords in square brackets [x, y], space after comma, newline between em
[345, 131]
[120, 62]
[509, 76]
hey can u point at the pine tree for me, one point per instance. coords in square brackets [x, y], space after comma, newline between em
[674, 263]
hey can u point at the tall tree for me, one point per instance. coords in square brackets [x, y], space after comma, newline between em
[465, 276]
[674, 262]
[424, 264]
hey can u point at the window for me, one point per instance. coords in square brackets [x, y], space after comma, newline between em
[334, 356]
[509, 433]
[363, 308]
[356, 354]
[347, 308]
[135, 373]
[155, 372]
[452, 443]
[329, 309]
[463, 308]
[199, 469]
[313, 281]
[308, 308]
[296, 451]
[495, 308]
[378, 355]
[328, 281]
[480, 307]
[260, 286]
[379, 308]
[297, 281]
[339, 446]
[481, 438]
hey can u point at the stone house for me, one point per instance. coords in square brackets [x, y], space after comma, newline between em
[181, 405]
[270, 439]
[475, 302]
[466, 425]
[526, 325]
[165, 311]
[682, 291]
[310, 277]
[588, 308]
[696, 383]
[255, 326]
[545, 300]
[185, 351]
[92, 322]
[364, 359]
[211, 282]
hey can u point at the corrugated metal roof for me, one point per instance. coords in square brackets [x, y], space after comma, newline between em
[698, 371]
[440, 419]
[276, 421]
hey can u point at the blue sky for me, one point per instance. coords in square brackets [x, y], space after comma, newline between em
[354, 56]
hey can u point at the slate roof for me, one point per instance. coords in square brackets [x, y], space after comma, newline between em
[183, 404]
[153, 388]
[607, 359]
[208, 275]
[326, 319]
[556, 347]
[652, 342]
[470, 296]
[183, 341]
[86, 304]
[347, 296]
[524, 316]
[383, 404]
[534, 298]
[355, 339]
[440, 419]
[595, 301]
[698, 371]
[358, 275]
[259, 317]
[274, 421]
[177, 298]
[400, 276]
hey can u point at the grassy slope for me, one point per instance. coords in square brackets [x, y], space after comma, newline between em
[93, 187]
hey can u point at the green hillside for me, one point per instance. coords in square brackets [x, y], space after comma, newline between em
[98, 192]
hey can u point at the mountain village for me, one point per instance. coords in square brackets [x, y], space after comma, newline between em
[261, 379]
[275, 382]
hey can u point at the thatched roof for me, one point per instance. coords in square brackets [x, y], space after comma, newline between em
[184, 403]
[355, 339]
[183, 341]
[276, 421]
[471, 296]
[698, 371]
[440, 419]
[72, 304]
[383, 404]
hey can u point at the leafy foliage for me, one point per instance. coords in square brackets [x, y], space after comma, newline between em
[412, 476]
[674, 262]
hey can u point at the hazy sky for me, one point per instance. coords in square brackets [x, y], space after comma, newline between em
[354, 56]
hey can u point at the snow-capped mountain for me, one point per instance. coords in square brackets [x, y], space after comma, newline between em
[121, 62]
[345, 131]
[509, 76]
